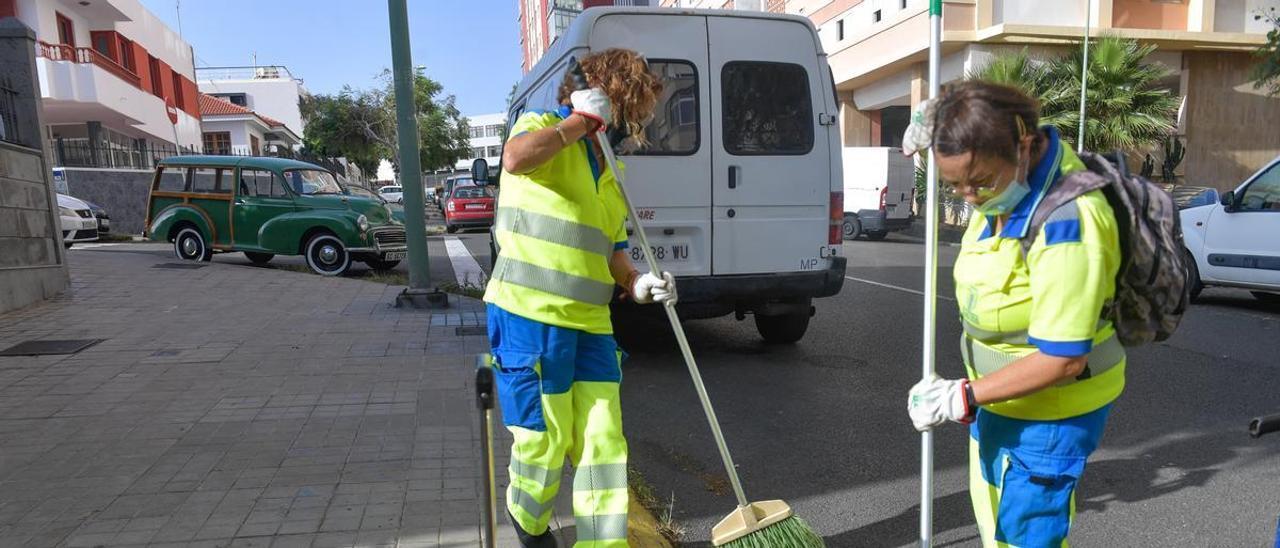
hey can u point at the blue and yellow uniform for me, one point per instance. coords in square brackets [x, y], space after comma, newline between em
[1027, 454]
[557, 365]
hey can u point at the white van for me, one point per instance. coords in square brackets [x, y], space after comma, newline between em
[879, 187]
[741, 189]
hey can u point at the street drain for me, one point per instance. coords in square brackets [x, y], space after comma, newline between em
[470, 331]
[179, 266]
[49, 348]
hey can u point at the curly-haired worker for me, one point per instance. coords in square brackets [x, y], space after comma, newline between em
[561, 237]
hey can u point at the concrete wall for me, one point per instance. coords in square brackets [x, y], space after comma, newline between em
[123, 193]
[32, 264]
[1231, 127]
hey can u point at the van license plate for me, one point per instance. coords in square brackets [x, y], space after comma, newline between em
[395, 255]
[667, 253]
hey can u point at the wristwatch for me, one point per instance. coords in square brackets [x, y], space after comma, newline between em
[971, 403]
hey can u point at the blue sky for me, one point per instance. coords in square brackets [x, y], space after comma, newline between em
[472, 47]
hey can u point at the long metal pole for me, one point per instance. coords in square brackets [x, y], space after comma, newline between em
[928, 368]
[407, 134]
[1084, 73]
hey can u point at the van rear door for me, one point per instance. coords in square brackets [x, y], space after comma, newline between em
[670, 180]
[771, 168]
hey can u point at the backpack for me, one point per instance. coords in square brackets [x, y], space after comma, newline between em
[1152, 289]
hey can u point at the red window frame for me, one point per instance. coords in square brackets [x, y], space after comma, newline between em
[157, 86]
[126, 55]
[178, 99]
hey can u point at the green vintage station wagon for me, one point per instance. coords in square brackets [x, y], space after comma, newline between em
[265, 207]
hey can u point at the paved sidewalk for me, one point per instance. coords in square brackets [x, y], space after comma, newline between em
[238, 406]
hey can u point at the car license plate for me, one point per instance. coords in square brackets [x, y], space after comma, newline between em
[671, 252]
[474, 206]
[395, 255]
[91, 223]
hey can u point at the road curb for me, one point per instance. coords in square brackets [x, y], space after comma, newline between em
[642, 526]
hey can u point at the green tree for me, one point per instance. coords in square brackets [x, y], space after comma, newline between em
[1126, 107]
[1266, 74]
[361, 124]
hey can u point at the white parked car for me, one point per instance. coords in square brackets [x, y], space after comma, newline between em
[78, 221]
[1234, 242]
[393, 194]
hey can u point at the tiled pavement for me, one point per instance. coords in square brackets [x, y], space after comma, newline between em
[238, 406]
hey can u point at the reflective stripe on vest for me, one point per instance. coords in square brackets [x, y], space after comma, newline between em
[986, 360]
[1007, 337]
[532, 276]
[553, 229]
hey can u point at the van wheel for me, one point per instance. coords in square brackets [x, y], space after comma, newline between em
[451, 229]
[1266, 298]
[876, 236]
[327, 256]
[851, 228]
[259, 258]
[785, 329]
[1193, 276]
[189, 245]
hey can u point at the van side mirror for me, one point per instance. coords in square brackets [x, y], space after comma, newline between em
[480, 171]
[1228, 201]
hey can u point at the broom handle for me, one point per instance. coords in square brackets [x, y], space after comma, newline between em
[676, 327]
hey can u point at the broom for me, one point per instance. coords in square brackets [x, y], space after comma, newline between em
[764, 524]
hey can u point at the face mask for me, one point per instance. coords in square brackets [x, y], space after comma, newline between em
[1004, 202]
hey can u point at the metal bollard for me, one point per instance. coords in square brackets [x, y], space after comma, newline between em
[484, 402]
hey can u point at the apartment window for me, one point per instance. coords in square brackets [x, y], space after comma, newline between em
[255, 146]
[178, 100]
[767, 109]
[234, 98]
[493, 131]
[126, 55]
[674, 130]
[494, 152]
[66, 30]
[102, 43]
[217, 142]
[477, 152]
[875, 16]
[840, 29]
[153, 66]
[476, 132]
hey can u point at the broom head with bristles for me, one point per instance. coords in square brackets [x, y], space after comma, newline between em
[764, 524]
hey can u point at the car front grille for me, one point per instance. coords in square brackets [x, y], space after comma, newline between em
[81, 234]
[389, 237]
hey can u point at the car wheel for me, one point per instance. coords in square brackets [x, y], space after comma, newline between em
[451, 229]
[1194, 285]
[259, 258]
[327, 256]
[381, 265]
[784, 329]
[876, 236]
[189, 245]
[851, 228]
[1266, 298]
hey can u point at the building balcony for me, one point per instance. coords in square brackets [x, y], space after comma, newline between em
[80, 84]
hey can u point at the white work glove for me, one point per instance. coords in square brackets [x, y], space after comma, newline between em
[934, 401]
[649, 288]
[594, 105]
[919, 134]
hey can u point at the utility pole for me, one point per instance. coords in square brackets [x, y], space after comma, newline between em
[417, 295]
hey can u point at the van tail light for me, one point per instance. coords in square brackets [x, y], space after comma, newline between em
[884, 194]
[835, 233]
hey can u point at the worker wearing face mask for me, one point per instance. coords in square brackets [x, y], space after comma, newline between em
[1042, 366]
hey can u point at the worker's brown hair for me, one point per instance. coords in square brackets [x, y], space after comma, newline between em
[985, 119]
[625, 77]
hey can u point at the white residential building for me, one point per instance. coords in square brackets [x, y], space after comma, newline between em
[270, 91]
[233, 129]
[486, 139]
[117, 85]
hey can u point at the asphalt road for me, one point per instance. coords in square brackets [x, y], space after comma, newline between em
[822, 424]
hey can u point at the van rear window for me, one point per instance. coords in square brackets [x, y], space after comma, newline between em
[674, 130]
[767, 109]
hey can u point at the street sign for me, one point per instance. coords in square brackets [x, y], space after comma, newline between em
[171, 110]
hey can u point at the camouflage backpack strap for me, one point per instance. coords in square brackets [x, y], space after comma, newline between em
[1060, 200]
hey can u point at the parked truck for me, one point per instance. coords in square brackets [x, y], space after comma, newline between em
[879, 188]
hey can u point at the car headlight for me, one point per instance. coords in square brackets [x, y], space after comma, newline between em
[362, 222]
[67, 212]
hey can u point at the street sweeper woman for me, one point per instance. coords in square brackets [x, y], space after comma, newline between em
[562, 250]
[1043, 364]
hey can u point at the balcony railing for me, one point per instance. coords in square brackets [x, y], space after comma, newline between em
[79, 152]
[262, 72]
[64, 52]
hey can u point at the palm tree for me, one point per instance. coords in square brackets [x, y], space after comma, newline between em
[1127, 109]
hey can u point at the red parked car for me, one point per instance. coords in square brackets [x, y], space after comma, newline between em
[469, 207]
